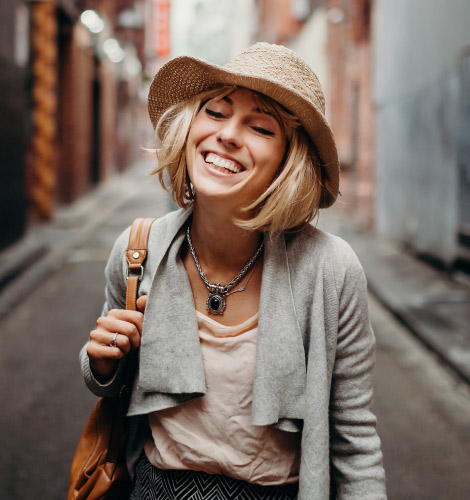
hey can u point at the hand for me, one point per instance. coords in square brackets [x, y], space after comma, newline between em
[104, 357]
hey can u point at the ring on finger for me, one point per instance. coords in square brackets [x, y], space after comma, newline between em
[113, 342]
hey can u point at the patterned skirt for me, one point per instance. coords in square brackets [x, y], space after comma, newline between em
[157, 484]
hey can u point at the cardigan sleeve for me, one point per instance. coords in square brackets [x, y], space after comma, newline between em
[115, 298]
[356, 459]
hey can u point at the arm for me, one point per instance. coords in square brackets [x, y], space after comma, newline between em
[356, 458]
[102, 365]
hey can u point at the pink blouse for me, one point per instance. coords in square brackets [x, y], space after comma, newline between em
[214, 433]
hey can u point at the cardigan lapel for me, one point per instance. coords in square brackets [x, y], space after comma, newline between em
[171, 361]
[280, 375]
[170, 358]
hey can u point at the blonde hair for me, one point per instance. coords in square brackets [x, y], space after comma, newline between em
[292, 199]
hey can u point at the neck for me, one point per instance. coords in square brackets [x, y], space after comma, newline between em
[221, 246]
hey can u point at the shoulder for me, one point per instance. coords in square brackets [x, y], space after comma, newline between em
[172, 219]
[161, 233]
[313, 252]
[313, 244]
[167, 225]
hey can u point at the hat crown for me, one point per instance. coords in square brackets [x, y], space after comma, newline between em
[283, 67]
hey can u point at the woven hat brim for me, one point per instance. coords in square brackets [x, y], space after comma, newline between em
[185, 77]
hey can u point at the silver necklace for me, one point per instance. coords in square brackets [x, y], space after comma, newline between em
[243, 287]
[217, 292]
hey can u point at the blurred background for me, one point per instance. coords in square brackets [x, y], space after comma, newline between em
[74, 82]
[75, 76]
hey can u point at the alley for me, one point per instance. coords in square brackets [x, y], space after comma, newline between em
[389, 102]
[422, 408]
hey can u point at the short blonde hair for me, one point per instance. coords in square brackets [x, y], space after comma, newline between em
[292, 199]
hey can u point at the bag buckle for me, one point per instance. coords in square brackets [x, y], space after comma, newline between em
[141, 273]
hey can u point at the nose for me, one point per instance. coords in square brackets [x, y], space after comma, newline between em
[230, 134]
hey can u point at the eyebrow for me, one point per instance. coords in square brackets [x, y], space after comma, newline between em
[256, 110]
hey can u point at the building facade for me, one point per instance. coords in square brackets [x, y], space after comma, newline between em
[14, 127]
[397, 81]
[422, 97]
[70, 80]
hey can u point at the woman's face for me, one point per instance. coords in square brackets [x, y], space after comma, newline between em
[233, 150]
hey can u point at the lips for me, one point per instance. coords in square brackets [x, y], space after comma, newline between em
[225, 164]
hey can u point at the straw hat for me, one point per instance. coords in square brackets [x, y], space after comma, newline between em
[272, 70]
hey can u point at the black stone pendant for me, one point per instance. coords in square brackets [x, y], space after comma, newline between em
[215, 304]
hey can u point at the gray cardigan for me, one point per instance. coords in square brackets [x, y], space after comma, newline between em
[314, 360]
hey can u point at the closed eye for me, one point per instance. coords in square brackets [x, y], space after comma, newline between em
[214, 114]
[263, 131]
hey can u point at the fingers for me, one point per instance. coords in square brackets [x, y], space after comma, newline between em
[134, 317]
[128, 326]
[113, 345]
[104, 352]
[107, 326]
[142, 303]
[115, 335]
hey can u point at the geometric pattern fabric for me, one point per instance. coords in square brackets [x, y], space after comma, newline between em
[157, 484]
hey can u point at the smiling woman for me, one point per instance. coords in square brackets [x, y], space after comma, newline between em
[256, 352]
[276, 208]
[233, 151]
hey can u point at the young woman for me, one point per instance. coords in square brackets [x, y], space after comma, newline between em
[255, 346]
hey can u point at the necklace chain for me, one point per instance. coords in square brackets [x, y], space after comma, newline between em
[243, 287]
[218, 288]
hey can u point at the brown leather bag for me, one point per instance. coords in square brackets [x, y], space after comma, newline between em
[99, 470]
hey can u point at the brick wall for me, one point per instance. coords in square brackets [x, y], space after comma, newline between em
[350, 105]
[76, 113]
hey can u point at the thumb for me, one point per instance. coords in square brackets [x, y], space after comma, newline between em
[141, 303]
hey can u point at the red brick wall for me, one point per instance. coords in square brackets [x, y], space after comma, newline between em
[108, 122]
[75, 122]
[87, 155]
[351, 110]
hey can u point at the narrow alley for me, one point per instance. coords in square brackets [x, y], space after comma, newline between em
[392, 117]
[422, 407]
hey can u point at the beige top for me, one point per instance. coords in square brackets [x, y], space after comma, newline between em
[214, 433]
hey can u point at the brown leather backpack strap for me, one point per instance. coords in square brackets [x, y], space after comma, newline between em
[136, 254]
[99, 466]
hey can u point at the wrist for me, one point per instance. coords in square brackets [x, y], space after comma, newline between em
[103, 370]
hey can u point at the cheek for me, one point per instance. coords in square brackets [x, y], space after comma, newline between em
[195, 136]
[200, 128]
[274, 158]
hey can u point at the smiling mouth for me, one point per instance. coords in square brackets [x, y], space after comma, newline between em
[223, 164]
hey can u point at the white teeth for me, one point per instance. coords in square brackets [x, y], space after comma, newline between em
[223, 163]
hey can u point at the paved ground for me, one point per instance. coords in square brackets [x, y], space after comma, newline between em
[423, 414]
[423, 408]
